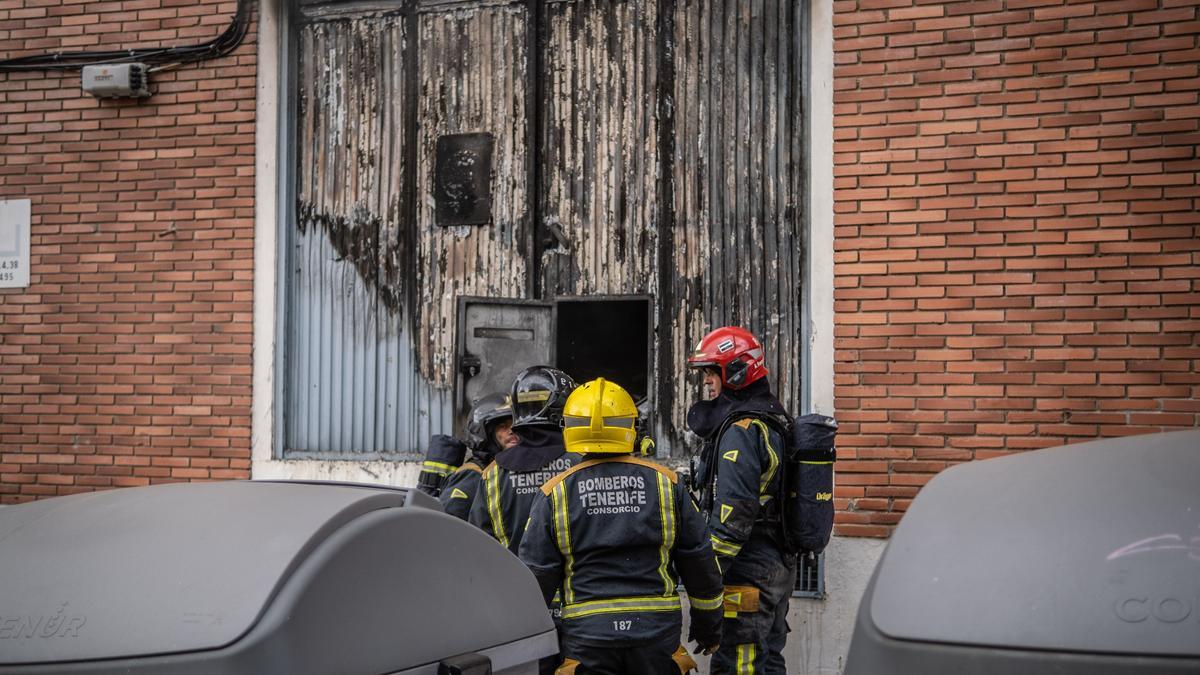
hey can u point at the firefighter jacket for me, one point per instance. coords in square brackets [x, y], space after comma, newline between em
[510, 483]
[746, 474]
[614, 535]
[741, 467]
[458, 494]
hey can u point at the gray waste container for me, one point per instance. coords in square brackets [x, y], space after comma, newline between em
[260, 577]
[1077, 560]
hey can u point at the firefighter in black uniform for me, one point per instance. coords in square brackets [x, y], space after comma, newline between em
[613, 536]
[509, 485]
[444, 456]
[739, 477]
[489, 430]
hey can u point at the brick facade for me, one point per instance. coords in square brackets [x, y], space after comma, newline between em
[127, 360]
[1017, 245]
[1017, 239]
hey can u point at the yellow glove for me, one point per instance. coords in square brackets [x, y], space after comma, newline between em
[647, 449]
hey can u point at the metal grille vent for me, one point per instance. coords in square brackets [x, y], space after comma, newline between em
[810, 577]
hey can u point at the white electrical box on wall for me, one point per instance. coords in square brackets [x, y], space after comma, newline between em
[117, 80]
[14, 243]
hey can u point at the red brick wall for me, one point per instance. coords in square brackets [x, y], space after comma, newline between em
[127, 360]
[1017, 239]
[1018, 250]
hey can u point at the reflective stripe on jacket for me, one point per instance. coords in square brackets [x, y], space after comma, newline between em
[610, 530]
[458, 494]
[747, 463]
[504, 497]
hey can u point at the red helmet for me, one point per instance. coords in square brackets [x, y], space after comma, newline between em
[733, 351]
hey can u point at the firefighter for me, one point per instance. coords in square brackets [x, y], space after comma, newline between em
[739, 478]
[613, 536]
[489, 430]
[445, 455]
[509, 485]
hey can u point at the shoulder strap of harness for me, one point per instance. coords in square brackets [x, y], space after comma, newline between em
[548, 486]
[472, 466]
[745, 418]
[742, 419]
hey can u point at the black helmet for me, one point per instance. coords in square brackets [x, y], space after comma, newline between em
[539, 394]
[486, 412]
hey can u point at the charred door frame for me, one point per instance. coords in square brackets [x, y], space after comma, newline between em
[667, 387]
[286, 205]
[805, 51]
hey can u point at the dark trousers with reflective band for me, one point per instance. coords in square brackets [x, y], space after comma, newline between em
[652, 659]
[753, 637]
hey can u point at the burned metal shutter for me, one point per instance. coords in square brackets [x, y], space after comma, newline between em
[672, 163]
[738, 181]
[472, 79]
[601, 175]
[352, 384]
[373, 278]
[632, 147]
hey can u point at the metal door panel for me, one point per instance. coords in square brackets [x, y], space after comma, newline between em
[497, 339]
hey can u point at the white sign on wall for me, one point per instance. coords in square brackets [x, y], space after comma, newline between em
[14, 243]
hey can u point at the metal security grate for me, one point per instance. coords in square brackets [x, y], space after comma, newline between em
[810, 577]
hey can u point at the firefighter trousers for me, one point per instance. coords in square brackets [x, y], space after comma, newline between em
[651, 659]
[757, 588]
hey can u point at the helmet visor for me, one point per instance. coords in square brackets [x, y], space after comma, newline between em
[570, 422]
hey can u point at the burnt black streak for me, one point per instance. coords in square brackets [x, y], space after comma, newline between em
[356, 240]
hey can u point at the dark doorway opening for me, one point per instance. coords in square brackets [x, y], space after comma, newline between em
[606, 337]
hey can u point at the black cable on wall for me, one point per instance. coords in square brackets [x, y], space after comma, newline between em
[163, 57]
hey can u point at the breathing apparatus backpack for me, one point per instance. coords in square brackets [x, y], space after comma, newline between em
[804, 506]
[807, 499]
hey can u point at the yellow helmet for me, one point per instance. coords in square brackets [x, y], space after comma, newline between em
[599, 419]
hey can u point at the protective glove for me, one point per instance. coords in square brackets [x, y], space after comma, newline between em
[446, 450]
[647, 447]
[549, 584]
[445, 454]
[705, 631]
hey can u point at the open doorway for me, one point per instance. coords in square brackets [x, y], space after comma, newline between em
[609, 336]
[606, 336]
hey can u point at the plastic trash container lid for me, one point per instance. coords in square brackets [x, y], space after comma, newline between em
[162, 569]
[1086, 548]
